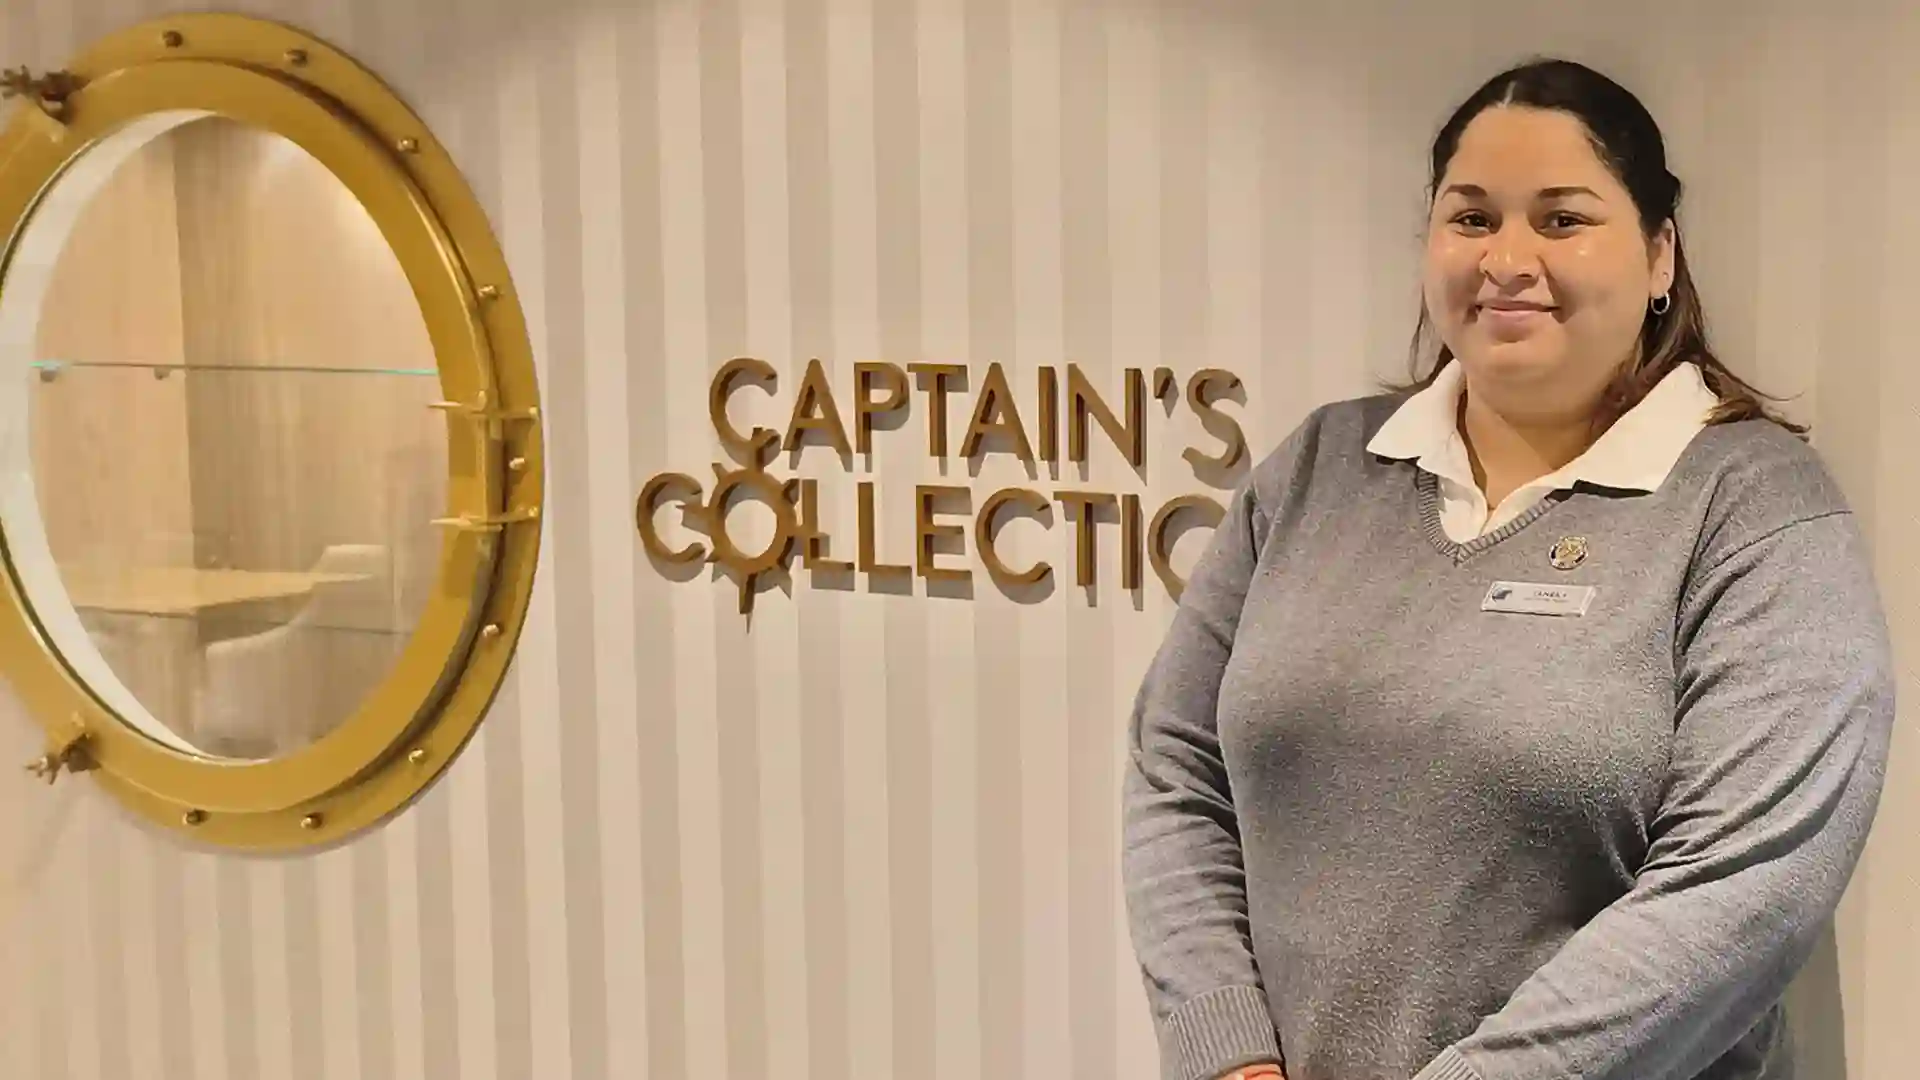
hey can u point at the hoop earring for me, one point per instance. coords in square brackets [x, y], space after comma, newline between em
[1661, 304]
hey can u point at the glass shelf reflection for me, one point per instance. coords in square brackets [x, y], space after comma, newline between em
[52, 368]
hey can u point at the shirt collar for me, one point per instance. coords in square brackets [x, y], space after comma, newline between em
[1635, 454]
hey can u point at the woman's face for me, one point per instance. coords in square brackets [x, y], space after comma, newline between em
[1538, 273]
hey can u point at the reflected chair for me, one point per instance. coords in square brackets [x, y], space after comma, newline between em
[270, 693]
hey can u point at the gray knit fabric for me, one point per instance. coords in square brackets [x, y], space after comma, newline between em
[1383, 834]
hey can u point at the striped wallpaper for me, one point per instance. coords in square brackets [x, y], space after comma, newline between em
[873, 835]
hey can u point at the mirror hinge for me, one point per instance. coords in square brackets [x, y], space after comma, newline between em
[49, 91]
[66, 753]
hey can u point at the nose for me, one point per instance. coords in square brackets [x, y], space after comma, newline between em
[1511, 257]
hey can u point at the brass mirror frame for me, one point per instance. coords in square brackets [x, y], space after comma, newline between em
[413, 724]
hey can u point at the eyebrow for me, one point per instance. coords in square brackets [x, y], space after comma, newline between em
[1475, 191]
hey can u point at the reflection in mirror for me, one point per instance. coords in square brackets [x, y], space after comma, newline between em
[222, 511]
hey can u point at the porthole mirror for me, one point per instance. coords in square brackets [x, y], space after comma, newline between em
[269, 435]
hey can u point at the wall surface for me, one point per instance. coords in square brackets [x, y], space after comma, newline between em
[873, 835]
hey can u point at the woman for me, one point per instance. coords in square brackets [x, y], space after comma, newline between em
[1527, 726]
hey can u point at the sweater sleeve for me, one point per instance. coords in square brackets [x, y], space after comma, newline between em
[1181, 863]
[1783, 712]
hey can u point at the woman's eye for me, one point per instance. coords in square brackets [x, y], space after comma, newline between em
[1563, 220]
[1472, 219]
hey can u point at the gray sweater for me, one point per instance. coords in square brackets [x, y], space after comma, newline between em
[1380, 833]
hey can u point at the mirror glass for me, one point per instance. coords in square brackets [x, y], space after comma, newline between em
[220, 463]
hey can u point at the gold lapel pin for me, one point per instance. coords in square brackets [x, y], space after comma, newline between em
[1568, 552]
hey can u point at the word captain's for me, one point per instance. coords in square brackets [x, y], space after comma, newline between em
[996, 423]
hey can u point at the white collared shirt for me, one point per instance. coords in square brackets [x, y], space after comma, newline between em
[1635, 454]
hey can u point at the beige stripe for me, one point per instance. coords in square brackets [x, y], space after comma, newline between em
[264, 948]
[1853, 316]
[69, 1048]
[336, 990]
[1287, 99]
[1159, 304]
[79, 876]
[993, 730]
[684, 319]
[235, 931]
[399, 995]
[623, 906]
[737, 702]
[1235, 217]
[1039, 297]
[20, 893]
[777, 623]
[654, 914]
[950, 678]
[1731, 140]
[51, 964]
[1088, 252]
[19, 1027]
[366, 997]
[1888, 987]
[157, 976]
[30, 823]
[439, 929]
[523, 223]
[205, 985]
[896, 80]
[1783, 336]
[93, 936]
[818, 740]
[520, 764]
[1155, 265]
[576, 591]
[307, 1008]
[853, 183]
[509, 1030]
[466, 987]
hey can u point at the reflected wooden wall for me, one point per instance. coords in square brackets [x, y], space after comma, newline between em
[280, 268]
[230, 252]
[241, 387]
[114, 296]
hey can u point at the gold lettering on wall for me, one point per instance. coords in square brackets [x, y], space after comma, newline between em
[985, 530]
[1081, 506]
[756, 446]
[1049, 415]
[933, 379]
[817, 541]
[998, 423]
[996, 413]
[866, 377]
[1160, 545]
[1218, 424]
[814, 410]
[927, 531]
[1129, 437]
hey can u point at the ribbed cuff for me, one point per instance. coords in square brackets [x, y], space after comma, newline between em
[1217, 1031]
[1448, 1066]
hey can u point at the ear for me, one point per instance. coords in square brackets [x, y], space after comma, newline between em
[1661, 259]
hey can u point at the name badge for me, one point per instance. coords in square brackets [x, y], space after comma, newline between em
[1521, 598]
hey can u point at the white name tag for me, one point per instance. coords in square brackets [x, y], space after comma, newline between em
[1521, 598]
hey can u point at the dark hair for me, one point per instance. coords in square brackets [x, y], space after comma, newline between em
[1627, 140]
